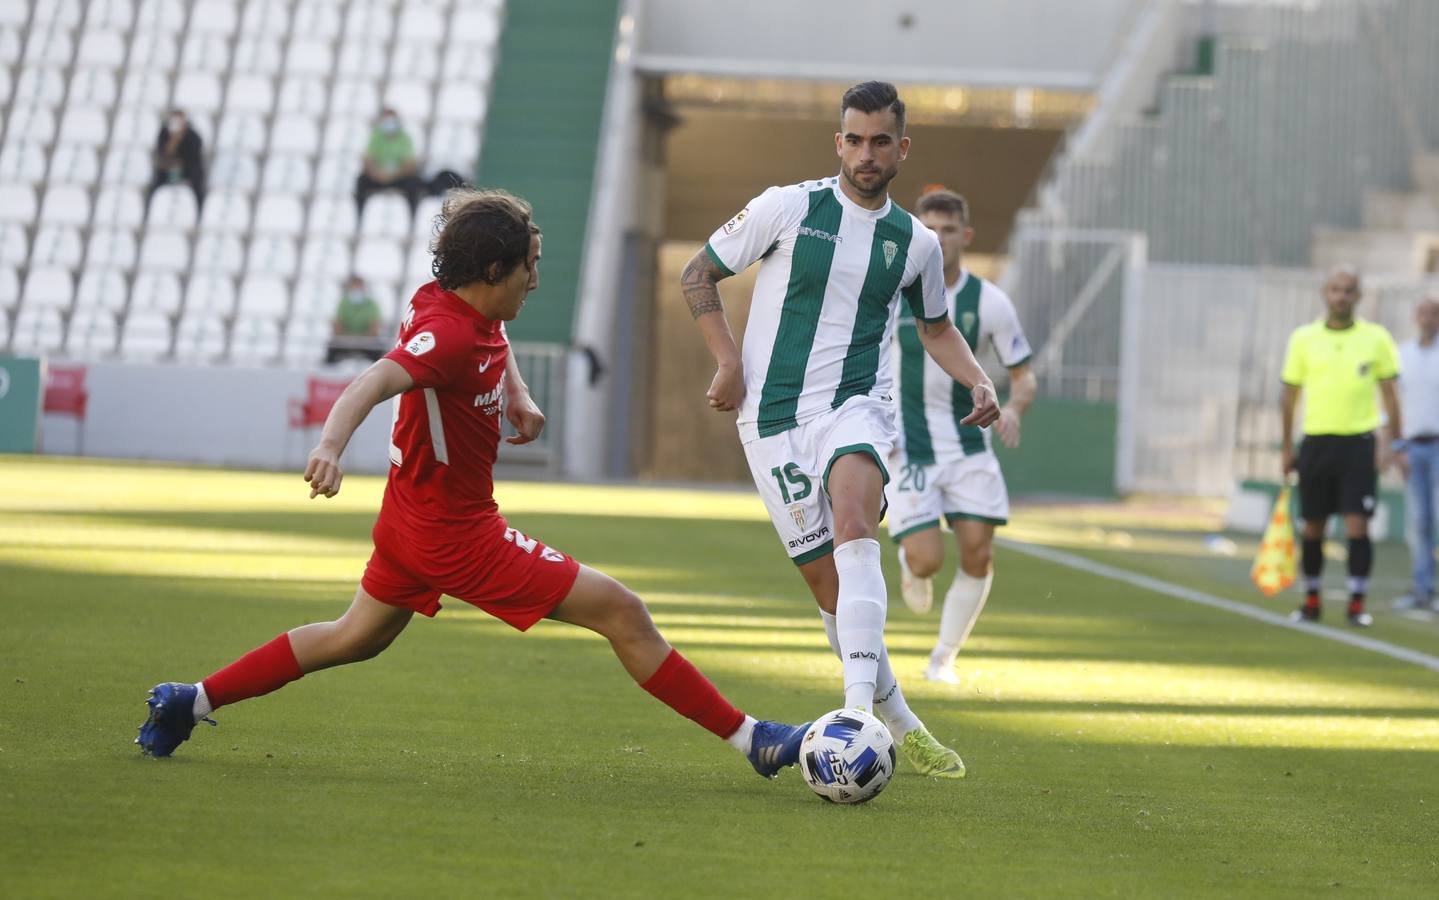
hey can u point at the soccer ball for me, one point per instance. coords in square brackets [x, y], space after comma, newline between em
[847, 756]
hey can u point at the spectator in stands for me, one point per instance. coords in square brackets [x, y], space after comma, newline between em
[1338, 361]
[390, 163]
[1419, 450]
[356, 324]
[178, 158]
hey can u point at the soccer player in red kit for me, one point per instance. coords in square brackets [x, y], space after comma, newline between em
[439, 529]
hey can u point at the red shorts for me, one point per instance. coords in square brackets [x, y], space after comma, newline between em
[514, 578]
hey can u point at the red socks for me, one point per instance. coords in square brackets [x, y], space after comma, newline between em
[681, 687]
[260, 671]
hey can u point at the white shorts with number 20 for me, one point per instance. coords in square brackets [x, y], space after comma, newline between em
[791, 470]
[970, 487]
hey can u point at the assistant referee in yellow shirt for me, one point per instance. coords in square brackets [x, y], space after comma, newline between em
[1337, 361]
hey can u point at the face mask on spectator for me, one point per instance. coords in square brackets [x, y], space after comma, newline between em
[389, 124]
[177, 123]
[354, 295]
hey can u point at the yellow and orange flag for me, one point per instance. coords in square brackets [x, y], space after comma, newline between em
[1275, 567]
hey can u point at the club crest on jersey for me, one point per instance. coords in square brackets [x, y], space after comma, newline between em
[797, 513]
[737, 222]
[966, 321]
[890, 249]
[420, 344]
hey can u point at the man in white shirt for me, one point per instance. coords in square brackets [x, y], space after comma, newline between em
[1419, 449]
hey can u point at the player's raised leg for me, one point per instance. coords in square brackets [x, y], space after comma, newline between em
[366, 629]
[606, 607]
[965, 599]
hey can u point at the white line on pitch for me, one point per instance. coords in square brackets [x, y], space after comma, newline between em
[1253, 612]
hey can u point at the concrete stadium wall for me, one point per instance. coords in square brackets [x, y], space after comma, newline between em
[225, 416]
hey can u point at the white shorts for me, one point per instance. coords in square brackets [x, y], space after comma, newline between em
[971, 487]
[791, 470]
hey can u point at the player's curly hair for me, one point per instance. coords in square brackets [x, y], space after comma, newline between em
[480, 236]
[942, 200]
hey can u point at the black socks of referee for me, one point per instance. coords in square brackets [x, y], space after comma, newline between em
[1361, 560]
[1312, 565]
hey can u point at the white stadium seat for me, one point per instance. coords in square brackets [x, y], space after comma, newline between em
[242, 131]
[112, 247]
[92, 333]
[316, 296]
[9, 43]
[425, 213]
[280, 214]
[49, 288]
[326, 256]
[357, 97]
[93, 87]
[308, 57]
[66, 205]
[14, 244]
[347, 136]
[164, 251]
[85, 125]
[156, 292]
[417, 263]
[415, 60]
[173, 207]
[332, 214]
[48, 46]
[266, 17]
[379, 260]
[9, 290]
[4, 79]
[235, 170]
[57, 245]
[317, 19]
[117, 14]
[35, 122]
[42, 85]
[198, 91]
[255, 341]
[421, 23]
[205, 53]
[368, 20]
[454, 146]
[219, 252]
[200, 338]
[22, 161]
[212, 293]
[272, 256]
[38, 329]
[102, 48]
[305, 341]
[214, 17]
[13, 14]
[146, 90]
[156, 48]
[127, 165]
[145, 336]
[101, 289]
[249, 93]
[287, 174]
[335, 174]
[461, 102]
[17, 203]
[411, 99]
[75, 164]
[161, 15]
[119, 206]
[305, 96]
[479, 27]
[295, 134]
[386, 215]
[226, 212]
[263, 297]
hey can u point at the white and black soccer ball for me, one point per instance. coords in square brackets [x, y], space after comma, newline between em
[847, 756]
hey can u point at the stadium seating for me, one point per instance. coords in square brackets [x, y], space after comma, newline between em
[283, 93]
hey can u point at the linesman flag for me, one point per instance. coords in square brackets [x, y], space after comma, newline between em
[1274, 567]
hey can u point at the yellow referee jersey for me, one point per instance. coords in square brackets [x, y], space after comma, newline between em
[1338, 372]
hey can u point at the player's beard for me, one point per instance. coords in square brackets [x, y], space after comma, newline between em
[880, 185]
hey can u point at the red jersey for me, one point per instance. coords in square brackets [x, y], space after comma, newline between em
[447, 427]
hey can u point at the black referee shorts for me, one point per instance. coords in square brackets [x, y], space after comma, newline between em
[1337, 475]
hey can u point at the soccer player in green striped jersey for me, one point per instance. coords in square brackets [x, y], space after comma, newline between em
[946, 469]
[815, 398]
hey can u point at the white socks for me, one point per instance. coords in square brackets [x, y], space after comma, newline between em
[202, 707]
[889, 702]
[860, 615]
[742, 736]
[962, 606]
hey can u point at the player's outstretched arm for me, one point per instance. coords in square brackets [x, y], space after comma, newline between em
[375, 385]
[946, 346]
[521, 410]
[700, 283]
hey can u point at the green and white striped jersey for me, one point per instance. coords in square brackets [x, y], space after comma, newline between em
[930, 402]
[823, 300]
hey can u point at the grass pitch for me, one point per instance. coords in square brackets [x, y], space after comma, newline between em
[1119, 742]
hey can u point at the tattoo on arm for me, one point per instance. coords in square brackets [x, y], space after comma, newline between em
[699, 285]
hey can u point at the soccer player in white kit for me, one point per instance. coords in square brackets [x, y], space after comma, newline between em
[814, 395]
[944, 468]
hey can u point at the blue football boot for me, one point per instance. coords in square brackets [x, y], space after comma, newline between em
[172, 718]
[775, 745]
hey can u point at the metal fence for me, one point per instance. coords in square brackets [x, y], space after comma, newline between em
[543, 367]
